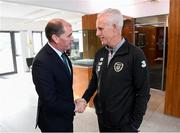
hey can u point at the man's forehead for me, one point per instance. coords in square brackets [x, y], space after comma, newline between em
[101, 23]
[103, 18]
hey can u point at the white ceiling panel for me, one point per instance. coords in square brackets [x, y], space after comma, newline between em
[133, 8]
[30, 11]
[24, 11]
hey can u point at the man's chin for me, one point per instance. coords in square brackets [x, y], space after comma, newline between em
[103, 43]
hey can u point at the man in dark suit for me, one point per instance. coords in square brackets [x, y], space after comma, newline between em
[52, 75]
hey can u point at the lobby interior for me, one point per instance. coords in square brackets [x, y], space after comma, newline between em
[156, 32]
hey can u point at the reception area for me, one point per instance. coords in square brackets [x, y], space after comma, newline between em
[156, 32]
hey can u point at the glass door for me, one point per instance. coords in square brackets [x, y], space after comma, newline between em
[152, 39]
[7, 53]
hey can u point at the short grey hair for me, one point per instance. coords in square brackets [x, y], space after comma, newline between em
[115, 17]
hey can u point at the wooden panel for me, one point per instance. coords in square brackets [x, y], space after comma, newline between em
[91, 43]
[128, 30]
[89, 22]
[172, 97]
[81, 78]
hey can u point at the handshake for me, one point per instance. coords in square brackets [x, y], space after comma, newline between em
[80, 105]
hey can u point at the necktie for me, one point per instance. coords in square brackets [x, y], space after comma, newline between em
[65, 61]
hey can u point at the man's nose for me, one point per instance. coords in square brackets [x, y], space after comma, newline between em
[97, 33]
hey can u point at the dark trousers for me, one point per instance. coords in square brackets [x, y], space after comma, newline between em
[105, 128]
[59, 126]
[48, 129]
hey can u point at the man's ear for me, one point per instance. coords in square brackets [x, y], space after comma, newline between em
[114, 27]
[54, 38]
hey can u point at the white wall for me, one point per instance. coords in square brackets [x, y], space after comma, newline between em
[14, 24]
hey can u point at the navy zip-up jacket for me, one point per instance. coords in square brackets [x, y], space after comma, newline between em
[122, 86]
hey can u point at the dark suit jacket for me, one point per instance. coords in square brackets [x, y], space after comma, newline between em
[54, 87]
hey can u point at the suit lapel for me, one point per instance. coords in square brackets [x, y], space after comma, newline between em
[58, 60]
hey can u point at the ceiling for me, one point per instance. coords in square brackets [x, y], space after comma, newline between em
[31, 11]
[70, 9]
[37, 13]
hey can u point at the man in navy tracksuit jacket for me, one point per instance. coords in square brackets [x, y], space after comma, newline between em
[120, 78]
[123, 90]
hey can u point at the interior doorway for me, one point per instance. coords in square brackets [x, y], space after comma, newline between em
[152, 39]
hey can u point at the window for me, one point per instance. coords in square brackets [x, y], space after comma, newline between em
[37, 41]
[7, 61]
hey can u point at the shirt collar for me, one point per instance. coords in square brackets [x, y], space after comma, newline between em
[117, 47]
[57, 51]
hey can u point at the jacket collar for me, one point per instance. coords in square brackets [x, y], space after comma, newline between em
[49, 49]
[51, 52]
[124, 49]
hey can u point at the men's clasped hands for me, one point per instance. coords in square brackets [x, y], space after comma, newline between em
[80, 105]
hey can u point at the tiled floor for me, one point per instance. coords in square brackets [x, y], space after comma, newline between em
[18, 101]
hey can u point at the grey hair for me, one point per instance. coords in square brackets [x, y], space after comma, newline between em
[115, 17]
